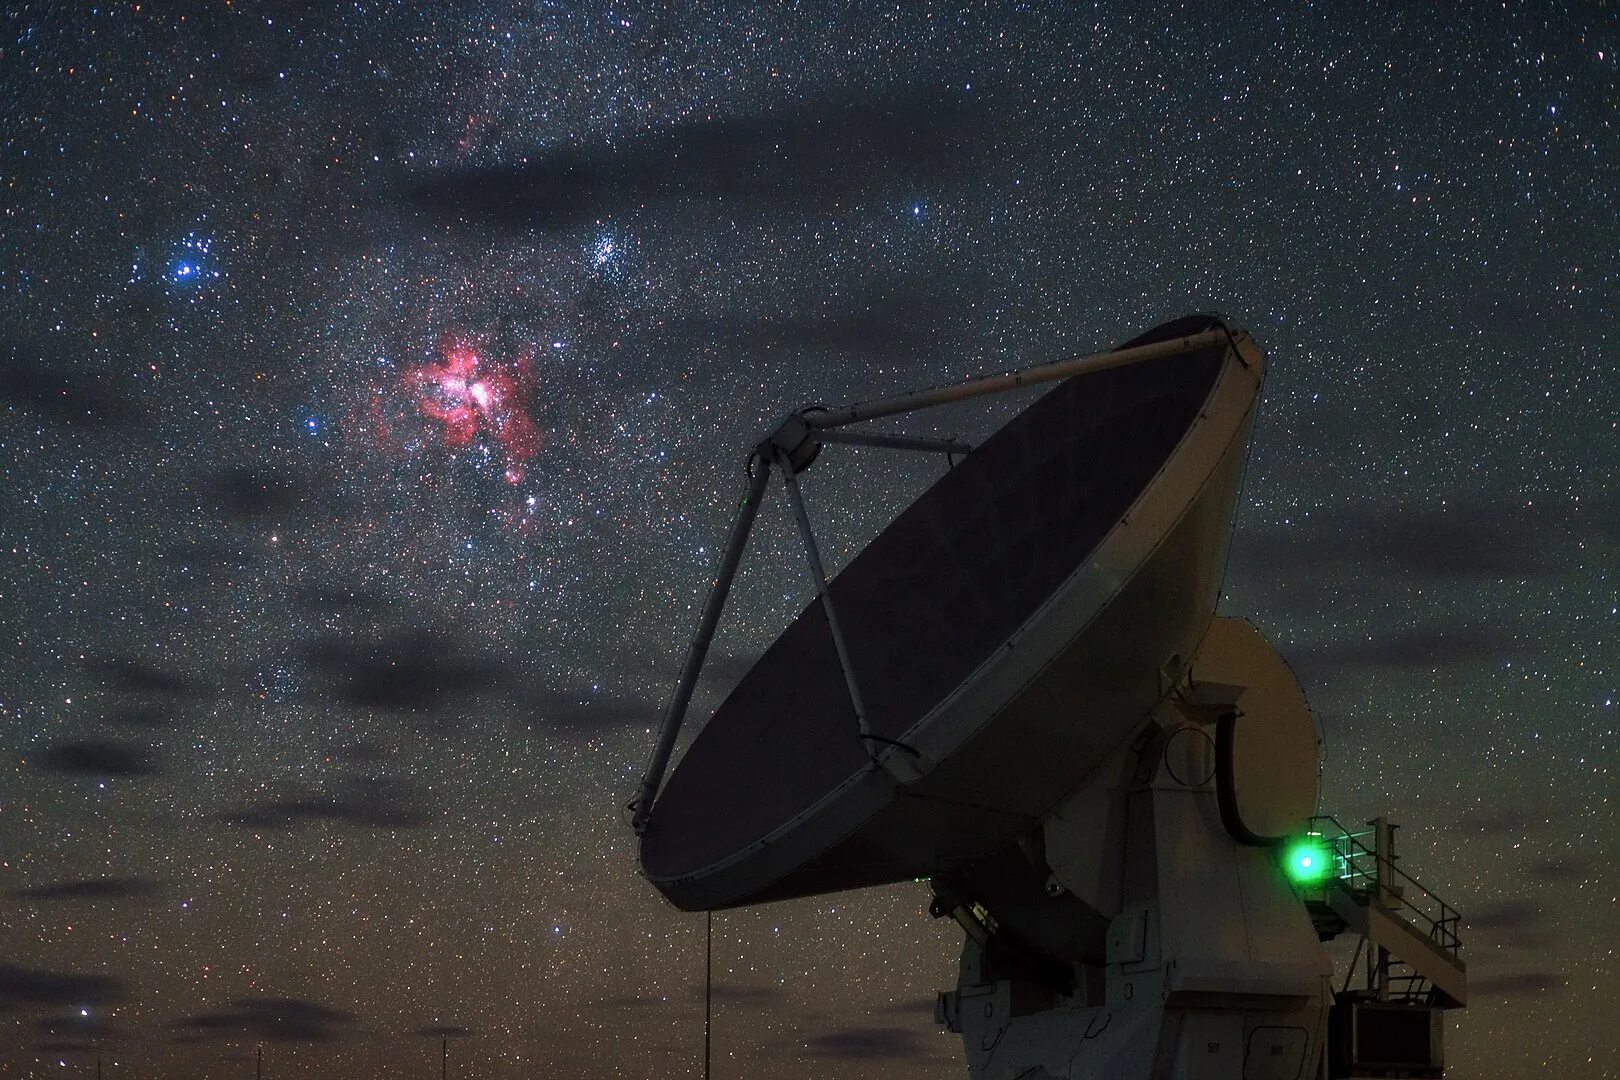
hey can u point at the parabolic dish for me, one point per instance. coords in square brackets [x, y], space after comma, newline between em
[1008, 630]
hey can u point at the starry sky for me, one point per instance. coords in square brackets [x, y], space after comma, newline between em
[375, 389]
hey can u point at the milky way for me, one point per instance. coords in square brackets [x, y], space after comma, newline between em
[378, 382]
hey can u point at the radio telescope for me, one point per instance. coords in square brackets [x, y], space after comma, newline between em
[1022, 692]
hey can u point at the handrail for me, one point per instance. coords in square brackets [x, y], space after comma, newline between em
[1351, 857]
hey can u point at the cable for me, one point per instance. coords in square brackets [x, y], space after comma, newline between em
[1226, 784]
[708, 986]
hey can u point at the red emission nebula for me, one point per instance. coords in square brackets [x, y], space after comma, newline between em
[466, 393]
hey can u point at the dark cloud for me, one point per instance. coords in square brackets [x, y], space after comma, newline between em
[742, 995]
[586, 718]
[1468, 541]
[61, 396]
[247, 493]
[98, 757]
[135, 676]
[1426, 648]
[867, 1044]
[415, 671]
[873, 330]
[1561, 868]
[917, 1006]
[814, 155]
[441, 1031]
[630, 1001]
[74, 1026]
[1471, 540]
[137, 717]
[885, 321]
[332, 598]
[1504, 821]
[366, 802]
[1505, 917]
[1596, 526]
[1517, 984]
[271, 1020]
[23, 987]
[364, 752]
[63, 1046]
[110, 888]
[430, 674]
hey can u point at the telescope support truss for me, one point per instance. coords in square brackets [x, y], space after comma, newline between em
[792, 446]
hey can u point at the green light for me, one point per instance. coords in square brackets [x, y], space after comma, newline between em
[1308, 862]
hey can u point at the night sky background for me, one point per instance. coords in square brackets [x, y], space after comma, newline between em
[375, 389]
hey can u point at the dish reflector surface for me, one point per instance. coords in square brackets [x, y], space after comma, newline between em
[960, 618]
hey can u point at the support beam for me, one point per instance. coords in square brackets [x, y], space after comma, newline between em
[675, 713]
[995, 384]
[894, 442]
[818, 578]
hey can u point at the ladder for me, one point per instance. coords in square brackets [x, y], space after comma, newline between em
[1410, 936]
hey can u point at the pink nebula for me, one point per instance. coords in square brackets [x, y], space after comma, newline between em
[467, 393]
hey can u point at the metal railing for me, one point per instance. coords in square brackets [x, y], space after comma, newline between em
[1360, 866]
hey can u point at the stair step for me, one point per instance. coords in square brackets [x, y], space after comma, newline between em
[1329, 924]
[1408, 946]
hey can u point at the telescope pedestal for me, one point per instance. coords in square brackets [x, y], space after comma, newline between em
[1210, 968]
